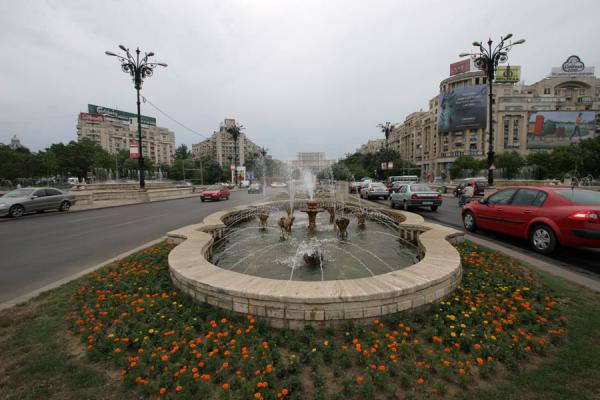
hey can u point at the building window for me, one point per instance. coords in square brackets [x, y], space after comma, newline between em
[506, 131]
[547, 91]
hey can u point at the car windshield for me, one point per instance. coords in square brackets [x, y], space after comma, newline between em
[578, 196]
[19, 193]
[421, 188]
[214, 187]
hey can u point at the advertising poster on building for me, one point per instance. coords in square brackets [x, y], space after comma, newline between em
[549, 129]
[462, 108]
[508, 74]
[460, 67]
[134, 151]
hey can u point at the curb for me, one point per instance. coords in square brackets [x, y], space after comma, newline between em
[60, 282]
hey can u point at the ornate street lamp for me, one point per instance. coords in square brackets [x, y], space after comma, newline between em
[386, 129]
[235, 131]
[487, 59]
[138, 68]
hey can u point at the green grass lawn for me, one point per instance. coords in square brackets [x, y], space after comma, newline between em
[125, 332]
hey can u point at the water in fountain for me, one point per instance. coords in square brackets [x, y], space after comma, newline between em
[362, 254]
[309, 181]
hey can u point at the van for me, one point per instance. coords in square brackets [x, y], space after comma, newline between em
[73, 180]
[404, 178]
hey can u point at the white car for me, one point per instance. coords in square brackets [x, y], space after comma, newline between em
[278, 184]
[374, 189]
[244, 184]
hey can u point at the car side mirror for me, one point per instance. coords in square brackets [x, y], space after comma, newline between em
[483, 201]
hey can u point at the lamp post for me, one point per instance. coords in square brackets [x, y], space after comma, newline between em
[138, 68]
[487, 59]
[386, 129]
[235, 131]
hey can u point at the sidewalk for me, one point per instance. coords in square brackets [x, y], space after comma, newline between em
[577, 278]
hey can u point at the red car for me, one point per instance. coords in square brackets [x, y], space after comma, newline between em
[546, 215]
[215, 192]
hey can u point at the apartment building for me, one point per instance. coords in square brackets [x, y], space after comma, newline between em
[560, 109]
[117, 130]
[372, 146]
[221, 146]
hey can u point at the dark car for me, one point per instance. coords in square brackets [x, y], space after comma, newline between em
[546, 215]
[22, 201]
[215, 192]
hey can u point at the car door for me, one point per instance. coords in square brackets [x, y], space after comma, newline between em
[53, 198]
[524, 206]
[38, 201]
[491, 213]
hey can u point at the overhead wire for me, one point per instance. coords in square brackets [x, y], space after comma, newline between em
[145, 100]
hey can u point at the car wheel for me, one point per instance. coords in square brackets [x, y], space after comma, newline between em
[64, 206]
[469, 221]
[542, 239]
[434, 208]
[203, 200]
[405, 205]
[16, 211]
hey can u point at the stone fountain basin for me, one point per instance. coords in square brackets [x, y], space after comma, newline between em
[295, 304]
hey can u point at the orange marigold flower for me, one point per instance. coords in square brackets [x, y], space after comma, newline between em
[226, 386]
[461, 371]
[225, 364]
[479, 360]
[224, 321]
[381, 368]
[477, 346]
[359, 379]
[178, 388]
[284, 392]
[257, 395]
[164, 357]
[420, 381]
[162, 391]
[117, 350]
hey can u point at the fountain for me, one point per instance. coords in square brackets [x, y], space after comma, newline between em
[316, 277]
[312, 209]
[342, 224]
[263, 216]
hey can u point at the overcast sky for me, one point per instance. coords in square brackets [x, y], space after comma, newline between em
[300, 75]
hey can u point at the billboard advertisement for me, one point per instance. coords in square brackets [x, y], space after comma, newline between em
[508, 74]
[462, 108]
[134, 151]
[460, 67]
[91, 117]
[118, 114]
[548, 129]
[573, 66]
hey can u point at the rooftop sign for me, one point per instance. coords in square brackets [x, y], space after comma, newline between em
[573, 66]
[118, 114]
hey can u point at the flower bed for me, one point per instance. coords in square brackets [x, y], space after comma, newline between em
[165, 345]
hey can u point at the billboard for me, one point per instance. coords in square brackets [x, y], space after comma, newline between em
[460, 67]
[573, 66]
[548, 129]
[229, 122]
[134, 151]
[462, 108]
[508, 74]
[91, 117]
[118, 114]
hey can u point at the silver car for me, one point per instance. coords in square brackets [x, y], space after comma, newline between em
[416, 195]
[27, 200]
[374, 189]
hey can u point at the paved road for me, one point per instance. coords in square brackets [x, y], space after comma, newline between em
[585, 261]
[37, 250]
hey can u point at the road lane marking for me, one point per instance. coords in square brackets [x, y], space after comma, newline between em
[90, 218]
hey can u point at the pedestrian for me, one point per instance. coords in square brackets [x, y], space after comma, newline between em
[468, 193]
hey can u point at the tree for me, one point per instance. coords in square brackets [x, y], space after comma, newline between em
[466, 163]
[182, 153]
[511, 162]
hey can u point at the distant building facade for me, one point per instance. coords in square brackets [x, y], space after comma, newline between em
[372, 146]
[116, 130]
[221, 146]
[560, 109]
[314, 161]
[15, 143]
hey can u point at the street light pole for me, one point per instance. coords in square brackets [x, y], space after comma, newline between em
[487, 59]
[138, 69]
